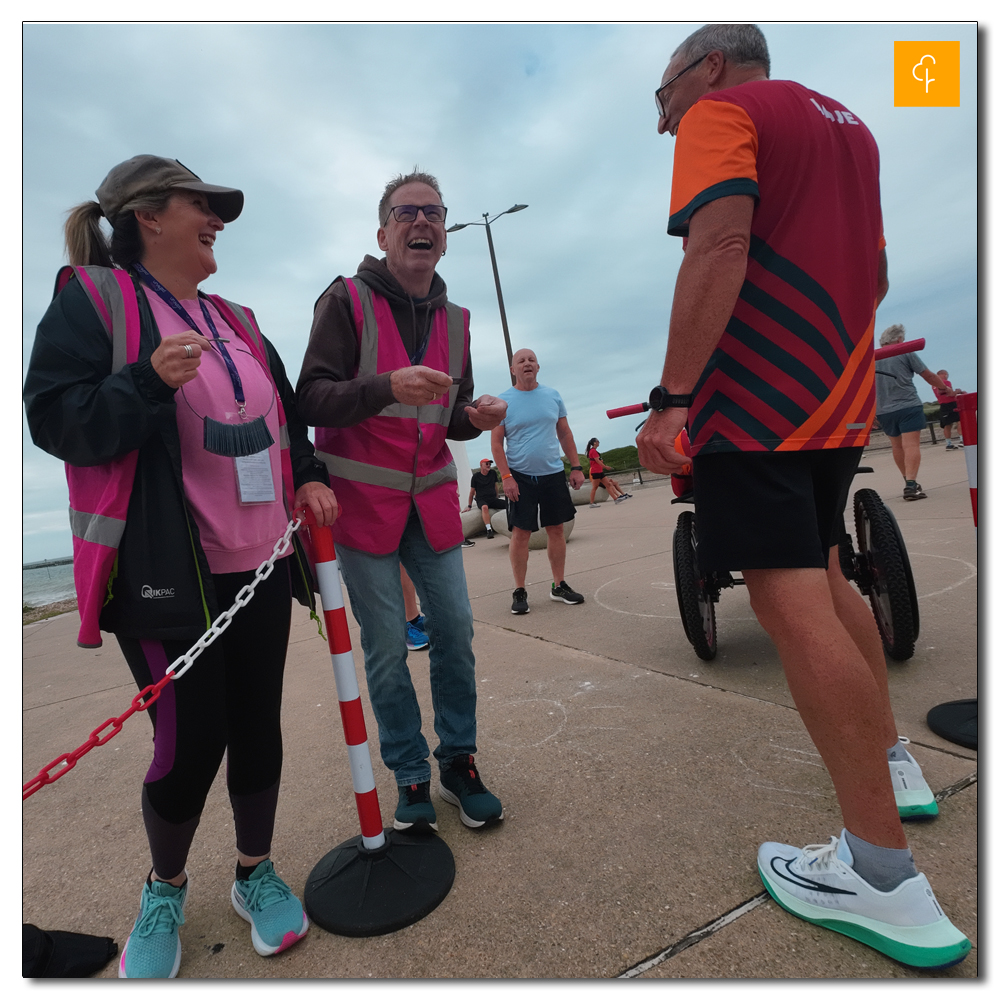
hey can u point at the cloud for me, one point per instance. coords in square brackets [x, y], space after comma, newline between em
[311, 120]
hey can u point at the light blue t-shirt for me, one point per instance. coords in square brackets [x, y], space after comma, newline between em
[530, 428]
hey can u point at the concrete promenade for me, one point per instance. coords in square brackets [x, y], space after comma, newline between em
[637, 780]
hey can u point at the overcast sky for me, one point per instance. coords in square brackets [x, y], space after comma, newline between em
[312, 120]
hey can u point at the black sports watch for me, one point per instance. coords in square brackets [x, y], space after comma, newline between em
[660, 399]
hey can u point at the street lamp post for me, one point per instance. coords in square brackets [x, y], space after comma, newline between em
[496, 274]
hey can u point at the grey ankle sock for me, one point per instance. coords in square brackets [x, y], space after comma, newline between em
[898, 752]
[883, 868]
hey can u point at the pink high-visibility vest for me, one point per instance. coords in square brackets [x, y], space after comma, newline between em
[381, 465]
[99, 494]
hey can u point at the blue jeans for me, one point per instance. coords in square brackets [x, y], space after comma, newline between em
[377, 603]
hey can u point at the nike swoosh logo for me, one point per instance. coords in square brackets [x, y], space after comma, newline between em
[802, 882]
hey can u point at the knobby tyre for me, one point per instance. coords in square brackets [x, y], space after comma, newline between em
[891, 592]
[695, 603]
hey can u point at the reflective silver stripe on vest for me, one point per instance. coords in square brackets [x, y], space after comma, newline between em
[112, 294]
[242, 316]
[96, 528]
[373, 475]
[368, 360]
[283, 439]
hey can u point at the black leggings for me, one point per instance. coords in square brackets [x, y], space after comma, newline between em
[229, 699]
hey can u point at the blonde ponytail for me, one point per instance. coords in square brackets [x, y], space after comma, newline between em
[85, 241]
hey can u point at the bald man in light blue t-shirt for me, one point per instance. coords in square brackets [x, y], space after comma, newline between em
[536, 433]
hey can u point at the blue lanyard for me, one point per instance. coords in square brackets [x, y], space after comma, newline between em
[171, 301]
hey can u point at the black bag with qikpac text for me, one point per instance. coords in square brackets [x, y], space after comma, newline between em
[159, 591]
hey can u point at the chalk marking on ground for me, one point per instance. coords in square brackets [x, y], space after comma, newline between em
[965, 579]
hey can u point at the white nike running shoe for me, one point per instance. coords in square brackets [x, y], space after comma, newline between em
[819, 884]
[913, 795]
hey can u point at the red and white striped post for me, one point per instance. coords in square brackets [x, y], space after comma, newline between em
[384, 879]
[968, 412]
[351, 713]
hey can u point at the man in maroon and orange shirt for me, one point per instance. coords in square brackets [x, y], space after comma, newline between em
[770, 366]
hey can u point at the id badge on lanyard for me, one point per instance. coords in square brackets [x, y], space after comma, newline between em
[254, 479]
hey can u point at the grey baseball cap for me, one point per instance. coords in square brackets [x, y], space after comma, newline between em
[146, 174]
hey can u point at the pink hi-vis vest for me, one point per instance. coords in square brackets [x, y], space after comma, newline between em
[99, 494]
[383, 464]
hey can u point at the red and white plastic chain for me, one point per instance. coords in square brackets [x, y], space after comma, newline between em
[178, 668]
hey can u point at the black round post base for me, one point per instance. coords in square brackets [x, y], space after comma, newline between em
[956, 722]
[361, 893]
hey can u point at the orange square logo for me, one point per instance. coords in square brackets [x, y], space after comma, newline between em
[926, 75]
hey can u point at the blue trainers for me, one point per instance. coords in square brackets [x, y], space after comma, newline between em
[275, 915]
[415, 808]
[416, 637]
[462, 787]
[153, 949]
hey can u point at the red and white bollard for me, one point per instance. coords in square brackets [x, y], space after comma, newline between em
[385, 879]
[346, 678]
[968, 412]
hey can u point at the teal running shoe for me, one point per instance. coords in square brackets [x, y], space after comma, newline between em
[415, 809]
[274, 913]
[818, 883]
[153, 949]
[462, 787]
[914, 798]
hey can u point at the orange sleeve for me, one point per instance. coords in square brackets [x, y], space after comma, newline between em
[715, 156]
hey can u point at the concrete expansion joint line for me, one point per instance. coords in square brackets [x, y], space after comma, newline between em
[79, 697]
[696, 936]
[958, 786]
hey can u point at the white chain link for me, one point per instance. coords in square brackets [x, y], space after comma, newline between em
[242, 599]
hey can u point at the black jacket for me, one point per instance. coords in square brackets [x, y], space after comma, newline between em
[82, 414]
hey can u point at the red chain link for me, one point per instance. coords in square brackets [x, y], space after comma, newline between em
[139, 704]
[149, 694]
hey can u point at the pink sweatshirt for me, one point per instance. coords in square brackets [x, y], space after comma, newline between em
[235, 536]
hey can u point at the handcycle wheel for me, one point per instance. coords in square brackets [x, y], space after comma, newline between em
[693, 597]
[888, 579]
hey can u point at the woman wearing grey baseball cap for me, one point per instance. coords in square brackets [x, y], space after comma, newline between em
[185, 457]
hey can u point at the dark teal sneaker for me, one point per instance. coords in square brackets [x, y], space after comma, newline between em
[276, 918]
[415, 810]
[462, 787]
[153, 949]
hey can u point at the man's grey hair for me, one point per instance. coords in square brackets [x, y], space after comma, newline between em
[416, 176]
[742, 44]
[894, 334]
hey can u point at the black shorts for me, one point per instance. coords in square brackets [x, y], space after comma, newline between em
[771, 510]
[948, 414]
[542, 502]
[596, 477]
[494, 503]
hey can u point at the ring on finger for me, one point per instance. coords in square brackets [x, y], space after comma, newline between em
[188, 351]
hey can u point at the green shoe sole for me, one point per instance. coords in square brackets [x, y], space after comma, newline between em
[935, 946]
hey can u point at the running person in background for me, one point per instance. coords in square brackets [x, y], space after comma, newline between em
[483, 491]
[899, 409]
[598, 478]
[948, 413]
[534, 480]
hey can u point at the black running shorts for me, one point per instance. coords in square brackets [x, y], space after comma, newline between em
[542, 501]
[771, 510]
[494, 503]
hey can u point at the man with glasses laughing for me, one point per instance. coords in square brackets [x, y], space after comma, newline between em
[386, 378]
[769, 365]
